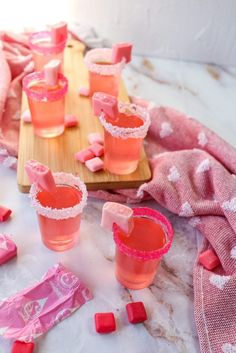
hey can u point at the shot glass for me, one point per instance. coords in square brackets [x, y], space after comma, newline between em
[46, 103]
[44, 50]
[123, 138]
[138, 254]
[59, 211]
[104, 76]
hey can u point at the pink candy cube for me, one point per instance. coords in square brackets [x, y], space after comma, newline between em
[105, 103]
[84, 155]
[70, 121]
[84, 91]
[120, 51]
[26, 116]
[113, 212]
[8, 249]
[4, 213]
[59, 32]
[97, 149]
[95, 137]
[136, 312]
[94, 164]
[22, 347]
[105, 322]
[209, 259]
[51, 70]
[40, 174]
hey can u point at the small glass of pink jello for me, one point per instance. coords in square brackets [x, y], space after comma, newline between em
[44, 50]
[104, 76]
[59, 211]
[138, 254]
[123, 138]
[46, 103]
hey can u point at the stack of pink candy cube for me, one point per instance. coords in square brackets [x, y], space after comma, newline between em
[90, 155]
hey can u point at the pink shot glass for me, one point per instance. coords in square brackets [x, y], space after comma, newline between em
[104, 76]
[139, 253]
[59, 211]
[123, 138]
[44, 50]
[46, 103]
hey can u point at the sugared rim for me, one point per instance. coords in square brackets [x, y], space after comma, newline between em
[35, 39]
[64, 213]
[102, 54]
[128, 132]
[44, 95]
[146, 255]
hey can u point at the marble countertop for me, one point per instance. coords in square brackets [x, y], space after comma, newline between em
[204, 91]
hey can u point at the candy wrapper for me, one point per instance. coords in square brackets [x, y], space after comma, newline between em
[35, 310]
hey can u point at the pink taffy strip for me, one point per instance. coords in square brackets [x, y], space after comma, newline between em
[59, 32]
[121, 51]
[4, 213]
[105, 103]
[51, 71]
[35, 310]
[40, 174]
[8, 249]
[113, 212]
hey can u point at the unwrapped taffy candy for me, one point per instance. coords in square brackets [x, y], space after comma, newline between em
[106, 103]
[122, 215]
[4, 213]
[95, 137]
[51, 71]
[59, 32]
[40, 174]
[35, 310]
[8, 249]
[121, 51]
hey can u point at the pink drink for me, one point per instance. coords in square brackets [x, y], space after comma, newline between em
[46, 103]
[59, 211]
[103, 75]
[138, 255]
[44, 50]
[123, 139]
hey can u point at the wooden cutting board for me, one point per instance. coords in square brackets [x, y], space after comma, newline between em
[58, 153]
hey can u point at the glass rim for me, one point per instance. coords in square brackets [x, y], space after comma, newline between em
[34, 43]
[63, 213]
[128, 132]
[141, 254]
[99, 54]
[44, 95]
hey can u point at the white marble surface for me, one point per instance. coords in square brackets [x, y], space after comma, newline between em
[206, 92]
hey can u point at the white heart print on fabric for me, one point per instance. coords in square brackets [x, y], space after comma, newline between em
[203, 166]
[186, 210]
[173, 175]
[166, 129]
[230, 205]
[229, 348]
[233, 252]
[219, 281]
[202, 139]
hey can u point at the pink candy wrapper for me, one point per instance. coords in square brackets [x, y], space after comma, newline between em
[35, 310]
